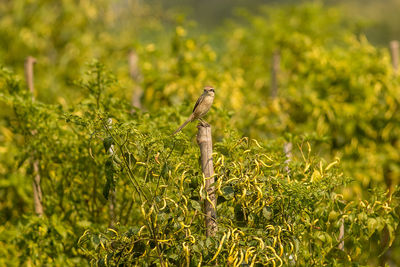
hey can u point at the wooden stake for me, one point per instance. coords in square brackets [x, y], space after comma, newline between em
[394, 52]
[204, 140]
[37, 190]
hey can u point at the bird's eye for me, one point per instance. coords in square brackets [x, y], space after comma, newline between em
[212, 90]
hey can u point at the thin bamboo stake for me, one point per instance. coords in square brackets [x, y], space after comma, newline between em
[37, 190]
[275, 67]
[204, 141]
[394, 52]
[134, 72]
[29, 62]
[276, 59]
[341, 235]
[112, 197]
[287, 148]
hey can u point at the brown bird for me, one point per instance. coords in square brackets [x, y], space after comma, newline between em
[201, 107]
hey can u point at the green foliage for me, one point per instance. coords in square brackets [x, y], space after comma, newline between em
[332, 83]
[265, 215]
[64, 35]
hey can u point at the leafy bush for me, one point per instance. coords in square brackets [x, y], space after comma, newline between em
[267, 213]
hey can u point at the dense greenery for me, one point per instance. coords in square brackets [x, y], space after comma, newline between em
[118, 189]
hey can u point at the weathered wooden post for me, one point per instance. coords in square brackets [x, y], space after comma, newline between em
[394, 52]
[204, 140]
[37, 190]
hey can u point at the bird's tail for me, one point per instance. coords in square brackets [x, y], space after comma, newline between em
[184, 124]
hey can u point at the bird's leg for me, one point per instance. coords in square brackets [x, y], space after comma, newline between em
[204, 123]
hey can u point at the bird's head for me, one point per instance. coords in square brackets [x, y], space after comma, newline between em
[209, 90]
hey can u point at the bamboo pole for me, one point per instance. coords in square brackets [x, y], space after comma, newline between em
[394, 52]
[37, 190]
[204, 141]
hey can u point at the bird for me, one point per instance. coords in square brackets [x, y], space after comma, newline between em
[202, 106]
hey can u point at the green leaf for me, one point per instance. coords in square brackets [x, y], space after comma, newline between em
[95, 241]
[110, 183]
[139, 248]
[60, 230]
[107, 142]
[164, 170]
[106, 189]
[196, 205]
[266, 213]
[371, 224]
[109, 169]
[228, 192]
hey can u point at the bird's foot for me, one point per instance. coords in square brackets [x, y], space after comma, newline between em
[204, 124]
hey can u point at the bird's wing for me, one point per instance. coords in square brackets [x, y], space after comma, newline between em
[198, 102]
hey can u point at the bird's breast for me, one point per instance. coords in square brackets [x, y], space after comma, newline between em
[204, 106]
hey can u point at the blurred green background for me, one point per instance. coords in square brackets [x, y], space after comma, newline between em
[378, 20]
